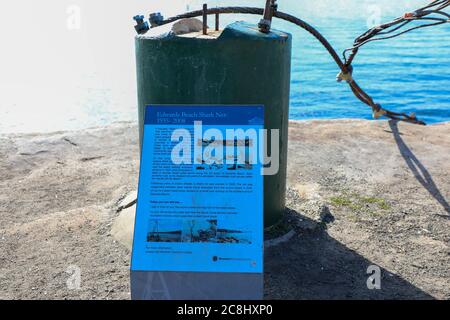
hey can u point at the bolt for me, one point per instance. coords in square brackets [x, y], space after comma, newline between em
[156, 19]
[138, 18]
[141, 26]
[264, 25]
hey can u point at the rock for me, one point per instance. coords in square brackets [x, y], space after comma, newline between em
[128, 200]
[187, 26]
[123, 227]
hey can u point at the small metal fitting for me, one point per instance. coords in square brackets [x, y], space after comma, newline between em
[264, 25]
[348, 76]
[266, 22]
[141, 26]
[156, 19]
[378, 111]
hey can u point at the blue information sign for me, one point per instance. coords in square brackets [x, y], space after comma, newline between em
[200, 197]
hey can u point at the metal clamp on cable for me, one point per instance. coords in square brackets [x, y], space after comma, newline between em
[378, 111]
[409, 15]
[345, 76]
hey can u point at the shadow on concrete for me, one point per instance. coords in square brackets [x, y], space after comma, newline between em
[313, 265]
[420, 172]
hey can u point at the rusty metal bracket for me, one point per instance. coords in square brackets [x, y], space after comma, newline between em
[205, 19]
[217, 21]
[266, 22]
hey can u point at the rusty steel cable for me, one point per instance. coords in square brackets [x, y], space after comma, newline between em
[432, 13]
[344, 65]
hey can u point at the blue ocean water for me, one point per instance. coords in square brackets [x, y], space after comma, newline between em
[87, 77]
[409, 74]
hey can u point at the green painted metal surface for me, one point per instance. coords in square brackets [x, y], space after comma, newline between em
[242, 66]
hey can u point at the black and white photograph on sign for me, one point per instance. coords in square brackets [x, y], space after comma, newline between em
[200, 231]
[165, 231]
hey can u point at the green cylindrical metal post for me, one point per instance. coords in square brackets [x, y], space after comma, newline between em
[241, 66]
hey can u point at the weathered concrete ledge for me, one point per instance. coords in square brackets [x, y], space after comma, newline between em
[360, 193]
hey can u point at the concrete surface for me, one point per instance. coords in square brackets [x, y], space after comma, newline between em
[360, 193]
